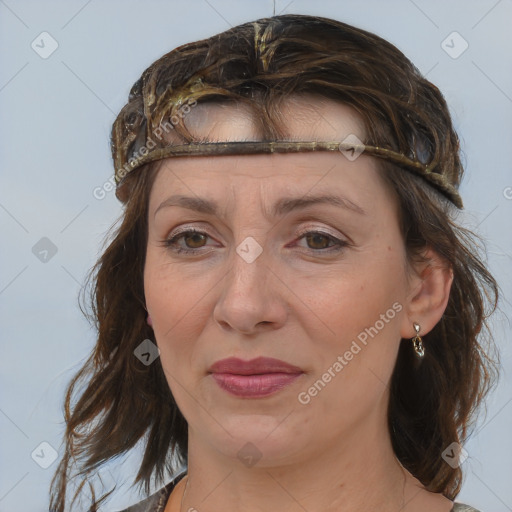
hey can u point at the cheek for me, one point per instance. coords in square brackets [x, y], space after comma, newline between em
[176, 300]
[169, 289]
[360, 310]
[348, 299]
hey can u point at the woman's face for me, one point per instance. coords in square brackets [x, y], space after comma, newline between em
[295, 257]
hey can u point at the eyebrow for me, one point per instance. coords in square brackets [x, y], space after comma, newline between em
[281, 207]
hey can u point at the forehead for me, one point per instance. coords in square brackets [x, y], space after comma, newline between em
[302, 117]
[266, 177]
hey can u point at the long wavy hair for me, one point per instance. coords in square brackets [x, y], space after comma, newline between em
[115, 401]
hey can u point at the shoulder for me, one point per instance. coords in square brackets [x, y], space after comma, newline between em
[157, 501]
[461, 507]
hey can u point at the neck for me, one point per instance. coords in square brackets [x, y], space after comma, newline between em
[360, 473]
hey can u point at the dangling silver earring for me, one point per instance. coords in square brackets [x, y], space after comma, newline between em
[417, 342]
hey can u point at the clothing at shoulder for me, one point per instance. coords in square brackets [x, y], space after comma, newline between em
[157, 501]
[461, 507]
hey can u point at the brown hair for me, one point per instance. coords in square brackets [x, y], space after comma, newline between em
[259, 63]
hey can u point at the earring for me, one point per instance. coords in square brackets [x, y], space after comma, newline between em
[417, 342]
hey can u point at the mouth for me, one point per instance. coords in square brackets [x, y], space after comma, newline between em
[256, 378]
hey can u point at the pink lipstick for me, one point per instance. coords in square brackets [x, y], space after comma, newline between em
[256, 378]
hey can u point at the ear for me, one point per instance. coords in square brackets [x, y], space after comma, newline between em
[428, 296]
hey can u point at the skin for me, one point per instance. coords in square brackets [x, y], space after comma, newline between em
[296, 302]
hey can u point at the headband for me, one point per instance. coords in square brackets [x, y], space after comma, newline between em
[351, 150]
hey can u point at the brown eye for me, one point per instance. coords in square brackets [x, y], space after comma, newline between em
[193, 241]
[318, 240]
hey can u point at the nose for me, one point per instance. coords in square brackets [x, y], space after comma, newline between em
[252, 297]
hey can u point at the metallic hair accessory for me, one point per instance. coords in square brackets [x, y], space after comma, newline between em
[426, 171]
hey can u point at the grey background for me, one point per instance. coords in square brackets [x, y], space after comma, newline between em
[56, 118]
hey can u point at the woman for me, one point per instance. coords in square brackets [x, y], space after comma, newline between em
[288, 307]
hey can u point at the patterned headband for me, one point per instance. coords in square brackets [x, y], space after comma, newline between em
[351, 147]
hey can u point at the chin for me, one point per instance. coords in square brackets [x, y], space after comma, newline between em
[262, 439]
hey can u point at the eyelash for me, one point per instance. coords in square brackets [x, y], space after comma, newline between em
[170, 243]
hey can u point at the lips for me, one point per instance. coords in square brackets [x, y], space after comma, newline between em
[259, 366]
[256, 378]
